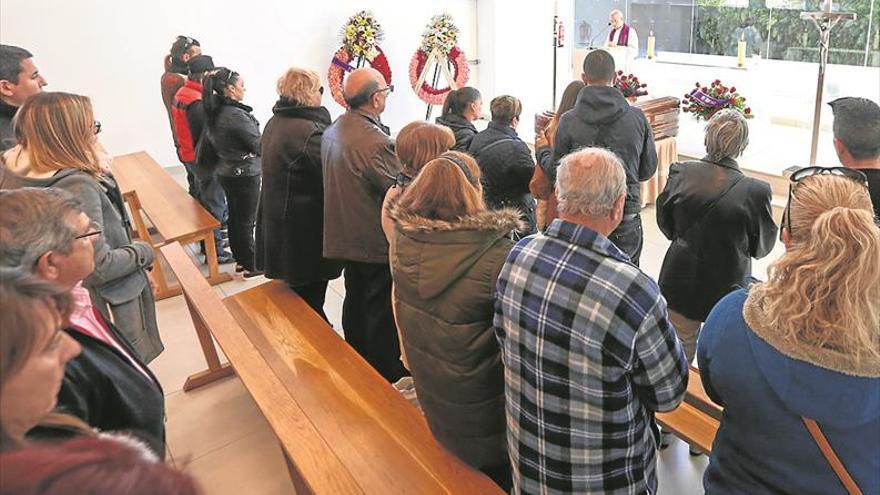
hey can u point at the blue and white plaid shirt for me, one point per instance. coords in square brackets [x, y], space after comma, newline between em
[589, 355]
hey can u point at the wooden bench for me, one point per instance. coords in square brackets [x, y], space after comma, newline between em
[342, 427]
[149, 189]
[697, 419]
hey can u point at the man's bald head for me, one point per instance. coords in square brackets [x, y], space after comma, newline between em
[360, 86]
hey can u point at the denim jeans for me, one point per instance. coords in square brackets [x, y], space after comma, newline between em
[629, 238]
[242, 196]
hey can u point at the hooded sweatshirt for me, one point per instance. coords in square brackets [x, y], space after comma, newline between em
[766, 384]
[602, 117]
[444, 282]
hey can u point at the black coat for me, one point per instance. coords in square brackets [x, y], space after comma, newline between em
[234, 133]
[602, 117]
[712, 247]
[462, 128]
[506, 167]
[290, 220]
[103, 389]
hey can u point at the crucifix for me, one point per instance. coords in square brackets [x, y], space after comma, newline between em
[824, 21]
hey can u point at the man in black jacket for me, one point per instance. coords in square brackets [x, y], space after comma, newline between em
[603, 118]
[107, 385]
[505, 161]
[19, 79]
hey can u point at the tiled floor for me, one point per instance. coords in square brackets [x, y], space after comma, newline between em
[218, 434]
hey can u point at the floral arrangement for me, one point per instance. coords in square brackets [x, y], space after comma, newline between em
[438, 49]
[630, 85]
[361, 35]
[441, 34]
[704, 102]
[360, 38]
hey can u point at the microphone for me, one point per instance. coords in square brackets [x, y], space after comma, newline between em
[602, 33]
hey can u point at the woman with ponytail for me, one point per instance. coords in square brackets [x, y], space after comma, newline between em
[795, 361]
[234, 135]
[460, 109]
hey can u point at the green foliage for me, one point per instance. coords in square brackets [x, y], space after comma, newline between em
[790, 37]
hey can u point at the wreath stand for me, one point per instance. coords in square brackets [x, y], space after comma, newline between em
[437, 60]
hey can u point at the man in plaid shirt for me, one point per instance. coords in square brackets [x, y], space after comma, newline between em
[589, 354]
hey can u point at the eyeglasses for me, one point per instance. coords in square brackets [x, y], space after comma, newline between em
[97, 127]
[803, 173]
[389, 89]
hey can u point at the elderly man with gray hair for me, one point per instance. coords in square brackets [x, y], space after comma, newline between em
[718, 220]
[589, 354]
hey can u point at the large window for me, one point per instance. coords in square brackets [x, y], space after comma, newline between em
[696, 40]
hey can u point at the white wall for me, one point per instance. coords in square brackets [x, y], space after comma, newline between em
[112, 51]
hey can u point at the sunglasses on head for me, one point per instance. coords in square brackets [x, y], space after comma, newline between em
[803, 173]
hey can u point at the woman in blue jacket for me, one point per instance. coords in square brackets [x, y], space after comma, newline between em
[803, 346]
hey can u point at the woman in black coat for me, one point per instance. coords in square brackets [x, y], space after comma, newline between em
[461, 107]
[718, 220]
[290, 222]
[234, 136]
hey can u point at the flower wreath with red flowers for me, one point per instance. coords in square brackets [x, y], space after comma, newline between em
[360, 46]
[439, 50]
[704, 102]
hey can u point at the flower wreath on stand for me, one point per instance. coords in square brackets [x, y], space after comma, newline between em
[360, 46]
[439, 49]
[704, 102]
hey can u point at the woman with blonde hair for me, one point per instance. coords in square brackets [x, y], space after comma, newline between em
[290, 219]
[58, 148]
[446, 253]
[795, 361]
[417, 143]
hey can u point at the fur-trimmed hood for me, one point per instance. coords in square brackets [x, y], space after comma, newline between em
[435, 254]
[507, 219]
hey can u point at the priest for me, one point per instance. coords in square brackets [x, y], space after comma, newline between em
[621, 34]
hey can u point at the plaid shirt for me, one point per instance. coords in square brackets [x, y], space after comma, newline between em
[588, 355]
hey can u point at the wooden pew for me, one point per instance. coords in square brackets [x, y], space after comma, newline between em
[342, 427]
[697, 419]
[177, 216]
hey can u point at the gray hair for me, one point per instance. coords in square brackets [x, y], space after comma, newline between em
[589, 181]
[727, 135]
[34, 221]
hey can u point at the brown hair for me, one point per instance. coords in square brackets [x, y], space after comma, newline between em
[58, 130]
[504, 108]
[300, 85]
[824, 292]
[22, 296]
[420, 142]
[444, 191]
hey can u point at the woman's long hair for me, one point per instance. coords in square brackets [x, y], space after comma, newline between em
[214, 91]
[448, 188]
[566, 103]
[58, 132]
[420, 142]
[24, 298]
[824, 292]
[458, 100]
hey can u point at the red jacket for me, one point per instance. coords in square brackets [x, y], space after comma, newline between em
[185, 96]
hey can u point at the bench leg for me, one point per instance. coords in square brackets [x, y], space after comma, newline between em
[216, 370]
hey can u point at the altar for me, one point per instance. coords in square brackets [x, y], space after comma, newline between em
[781, 94]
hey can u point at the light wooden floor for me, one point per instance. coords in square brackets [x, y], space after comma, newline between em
[218, 434]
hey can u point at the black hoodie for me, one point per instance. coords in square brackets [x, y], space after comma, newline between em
[602, 117]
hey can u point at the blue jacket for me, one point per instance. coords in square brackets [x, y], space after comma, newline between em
[763, 445]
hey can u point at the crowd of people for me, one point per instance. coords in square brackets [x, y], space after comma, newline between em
[538, 349]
